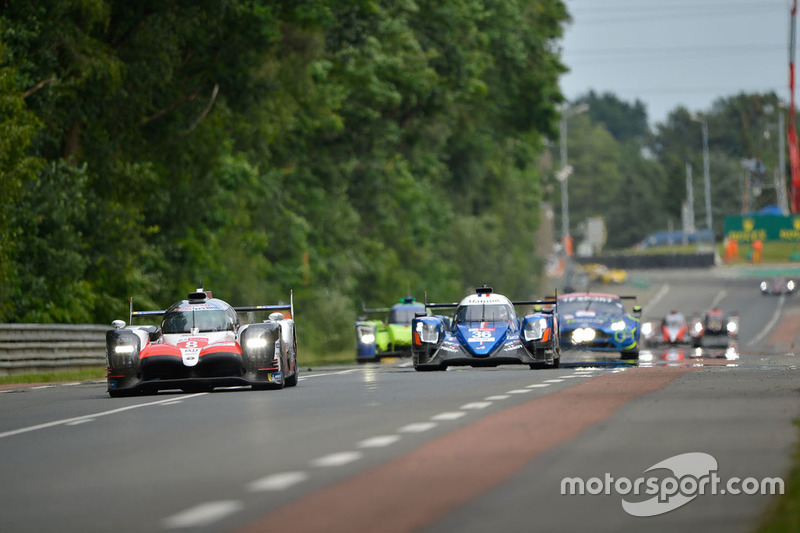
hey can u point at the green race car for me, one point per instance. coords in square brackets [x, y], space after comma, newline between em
[376, 338]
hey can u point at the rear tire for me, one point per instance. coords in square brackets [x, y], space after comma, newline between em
[430, 368]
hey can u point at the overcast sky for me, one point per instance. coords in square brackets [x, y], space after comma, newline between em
[668, 53]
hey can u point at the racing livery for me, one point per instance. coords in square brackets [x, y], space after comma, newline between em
[485, 330]
[599, 322]
[714, 328]
[201, 344]
[376, 338]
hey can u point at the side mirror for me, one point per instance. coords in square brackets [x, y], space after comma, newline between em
[637, 309]
[537, 308]
[118, 324]
[276, 316]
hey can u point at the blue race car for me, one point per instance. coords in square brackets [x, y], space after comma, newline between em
[485, 330]
[599, 322]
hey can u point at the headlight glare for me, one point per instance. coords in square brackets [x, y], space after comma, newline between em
[256, 343]
[618, 326]
[124, 348]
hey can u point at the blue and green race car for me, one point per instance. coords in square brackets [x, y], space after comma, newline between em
[390, 338]
[599, 322]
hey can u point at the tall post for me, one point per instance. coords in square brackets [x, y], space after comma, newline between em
[564, 196]
[690, 196]
[707, 177]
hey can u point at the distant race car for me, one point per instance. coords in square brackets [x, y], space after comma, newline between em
[376, 338]
[599, 322]
[672, 330]
[201, 344]
[715, 328]
[485, 330]
[778, 286]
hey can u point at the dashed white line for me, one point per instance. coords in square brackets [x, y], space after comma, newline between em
[91, 416]
[660, 294]
[203, 514]
[518, 391]
[538, 385]
[771, 322]
[553, 380]
[79, 422]
[452, 415]
[498, 397]
[327, 374]
[277, 482]
[476, 405]
[337, 459]
[378, 442]
[417, 427]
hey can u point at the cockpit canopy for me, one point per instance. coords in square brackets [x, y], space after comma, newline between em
[210, 316]
[484, 313]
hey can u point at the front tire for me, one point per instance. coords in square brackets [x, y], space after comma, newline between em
[430, 368]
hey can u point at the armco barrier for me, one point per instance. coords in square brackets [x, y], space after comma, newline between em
[648, 261]
[29, 348]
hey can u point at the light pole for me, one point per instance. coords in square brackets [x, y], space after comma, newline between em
[565, 169]
[707, 178]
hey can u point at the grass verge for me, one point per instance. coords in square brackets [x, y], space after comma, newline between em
[783, 515]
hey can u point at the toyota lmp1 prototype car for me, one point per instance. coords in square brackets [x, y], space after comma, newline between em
[673, 330]
[377, 338]
[599, 322]
[485, 330]
[201, 344]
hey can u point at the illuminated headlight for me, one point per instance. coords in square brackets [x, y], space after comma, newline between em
[698, 327]
[366, 334]
[618, 326]
[763, 285]
[124, 348]
[583, 335]
[647, 329]
[790, 285]
[427, 332]
[256, 343]
[534, 330]
[732, 327]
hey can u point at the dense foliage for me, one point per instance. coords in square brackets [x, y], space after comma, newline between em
[346, 149]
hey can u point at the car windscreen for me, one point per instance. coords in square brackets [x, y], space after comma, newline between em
[484, 313]
[674, 321]
[605, 306]
[404, 315]
[205, 320]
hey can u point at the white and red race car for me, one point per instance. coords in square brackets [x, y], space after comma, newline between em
[201, 344]
[673, 330]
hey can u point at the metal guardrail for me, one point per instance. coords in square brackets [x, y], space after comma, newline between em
[29, 348]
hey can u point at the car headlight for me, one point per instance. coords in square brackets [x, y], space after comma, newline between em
[698, 327]
[534, 330]
[647, 329]
[618, 326]
[732, 327]
[763, 285]
[366, 334]
[790, 285]
[256, 343]
[581, 335]
[124, 348]
[428, 332]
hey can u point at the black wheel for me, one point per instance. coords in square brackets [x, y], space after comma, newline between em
[556, 362]
[633, 354]
[291, 381]
[123, 393]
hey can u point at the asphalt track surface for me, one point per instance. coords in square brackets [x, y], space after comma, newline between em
[380, 447]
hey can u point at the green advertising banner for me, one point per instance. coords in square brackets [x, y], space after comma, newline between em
[762, 227]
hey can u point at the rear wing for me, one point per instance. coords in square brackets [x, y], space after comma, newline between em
[278, 307]
[373, 310]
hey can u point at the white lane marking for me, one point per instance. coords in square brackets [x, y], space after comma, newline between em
[476, 405]
[203, 514]
[378, 442]
[718, 298]
[173, 402]
[569, 377]
[417, 427]
[553, 380]
[405, 365]
[498, 397]
[518, 391]
[538, 385]
[660, 294]
[275, 482]
[327, 374]
[771, 324]
[337, 459]
[78, 422]
[452, 415]
[92, 416]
